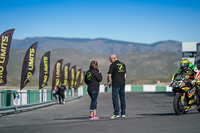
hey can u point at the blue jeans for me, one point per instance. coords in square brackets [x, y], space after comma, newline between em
[93, 95]
[121, 92]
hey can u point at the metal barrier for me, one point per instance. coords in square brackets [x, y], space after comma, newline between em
[20, 108]
[12, 109]
[25, 97]
[29, 99]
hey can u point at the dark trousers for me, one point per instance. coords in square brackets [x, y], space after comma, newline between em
[61, 96]
[93, 95]
[55, 95]
[119, 92]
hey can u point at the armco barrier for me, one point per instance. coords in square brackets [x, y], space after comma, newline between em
[34, 96]
[25, 97]
[12, 109]
[20, 108]
[30, 99]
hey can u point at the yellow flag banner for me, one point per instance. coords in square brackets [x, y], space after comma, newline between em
[72, 76]
[28, 68]
[57, 74]
[77, 80]
[65, 74]
[81, 79]
[44, 70]
[5, 41]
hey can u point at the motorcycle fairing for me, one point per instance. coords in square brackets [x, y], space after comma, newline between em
[185, 89]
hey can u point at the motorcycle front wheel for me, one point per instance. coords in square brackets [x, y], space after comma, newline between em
[198, 108]
[178, 107]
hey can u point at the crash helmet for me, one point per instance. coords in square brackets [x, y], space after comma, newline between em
[184, 64]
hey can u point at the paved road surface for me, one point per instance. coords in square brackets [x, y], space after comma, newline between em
[146, 113]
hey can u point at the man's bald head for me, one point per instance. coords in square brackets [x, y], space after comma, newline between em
[113, 58]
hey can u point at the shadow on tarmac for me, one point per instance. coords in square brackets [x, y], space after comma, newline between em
[76, 119]
[169, 94]
[160, 114]
[170, 114]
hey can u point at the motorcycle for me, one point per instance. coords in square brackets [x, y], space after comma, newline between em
[185, 94]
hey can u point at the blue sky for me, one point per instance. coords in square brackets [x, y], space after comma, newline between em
[143, 21]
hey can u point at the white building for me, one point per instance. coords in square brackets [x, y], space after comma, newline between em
[197, 59]
[189, 51]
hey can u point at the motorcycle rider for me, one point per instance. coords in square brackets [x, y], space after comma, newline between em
[192, 70]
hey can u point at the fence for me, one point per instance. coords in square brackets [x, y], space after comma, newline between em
[25, 97]
[31, 99]
[35, 96]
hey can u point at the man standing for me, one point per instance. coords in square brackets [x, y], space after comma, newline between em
[117, 72]
[62, 90]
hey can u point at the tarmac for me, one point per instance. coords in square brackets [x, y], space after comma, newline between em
[146, 113]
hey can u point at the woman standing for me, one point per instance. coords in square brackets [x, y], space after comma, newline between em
[92, 78]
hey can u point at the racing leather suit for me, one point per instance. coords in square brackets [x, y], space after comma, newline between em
[192, 71]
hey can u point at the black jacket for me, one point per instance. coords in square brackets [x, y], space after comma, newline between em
[92, 79]
[61, 90]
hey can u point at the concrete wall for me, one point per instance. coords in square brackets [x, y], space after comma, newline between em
[133, 88]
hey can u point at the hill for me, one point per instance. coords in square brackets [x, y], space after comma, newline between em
[99, 45]
[142, 67]
[146, 63]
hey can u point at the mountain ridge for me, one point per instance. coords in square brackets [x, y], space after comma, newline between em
[146, 63]
[97, 45]
[142, 68]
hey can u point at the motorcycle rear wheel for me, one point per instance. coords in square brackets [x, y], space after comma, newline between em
[178, 107]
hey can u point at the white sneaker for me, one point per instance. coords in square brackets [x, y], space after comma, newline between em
[114, 116]
[123, 116]
[63, 102]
